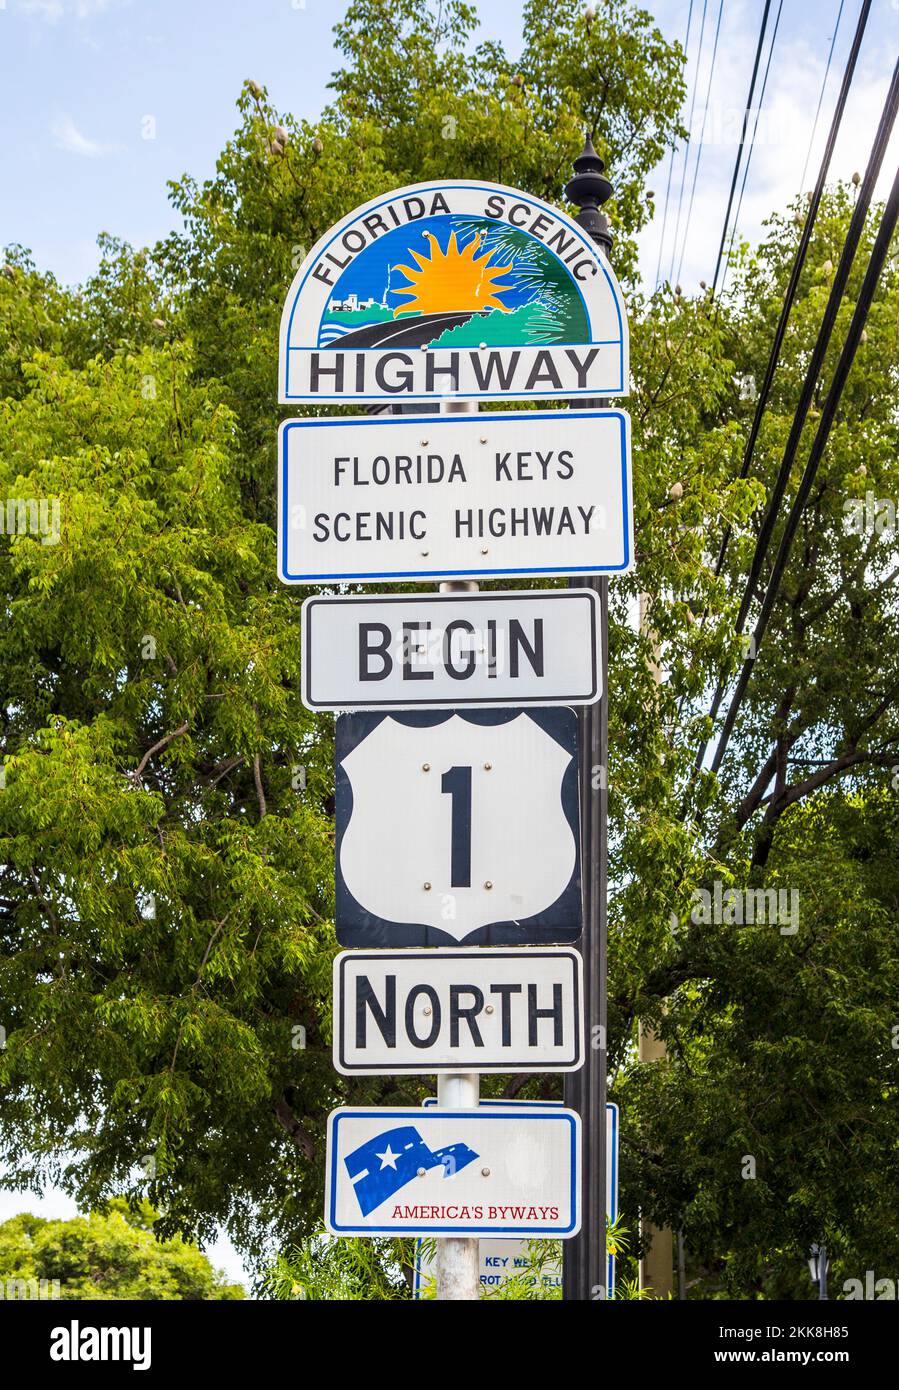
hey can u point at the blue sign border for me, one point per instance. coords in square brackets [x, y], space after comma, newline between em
[395, 1115]
[560, 924]
[369, 576]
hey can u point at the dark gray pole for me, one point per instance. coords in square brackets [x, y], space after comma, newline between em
[584, 1257]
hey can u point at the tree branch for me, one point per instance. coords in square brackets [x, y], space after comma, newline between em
[260, 791]
[296, 1131]
[161, 743]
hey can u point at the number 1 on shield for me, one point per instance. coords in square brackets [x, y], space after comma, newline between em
[457, 782]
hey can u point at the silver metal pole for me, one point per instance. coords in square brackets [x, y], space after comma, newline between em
[458, 1257]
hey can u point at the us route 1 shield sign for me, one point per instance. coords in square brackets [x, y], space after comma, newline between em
[446, 651]
[391, 498]
[457, 828]
[485, 1010]
[453, 1172]
[453, 288]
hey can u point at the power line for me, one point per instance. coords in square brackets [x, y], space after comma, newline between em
[836, 30]
[683, 177]
[801, 252]
[879, 253]
[758, 113]
[792, 288]
[838, 288]
[733, 182]
[847, 256]
[671, 164]
[705, 112]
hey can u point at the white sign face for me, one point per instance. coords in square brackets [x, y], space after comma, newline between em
[376, 499]
[500, 1261]
[457, 828]
[453, 288]
[485, 1010]
[445, 651]
[453, 1172]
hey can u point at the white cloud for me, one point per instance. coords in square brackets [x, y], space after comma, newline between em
[68, 137]
[52, 11]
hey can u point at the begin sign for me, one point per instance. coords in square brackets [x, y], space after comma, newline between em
[443, 651]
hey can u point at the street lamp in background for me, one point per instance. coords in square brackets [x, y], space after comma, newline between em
[818, 1265]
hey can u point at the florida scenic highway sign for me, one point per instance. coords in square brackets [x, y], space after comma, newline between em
[485, 1010]
[453, 1172]
[457, 828]
[453, 288]
[369, 499]
[444, 651]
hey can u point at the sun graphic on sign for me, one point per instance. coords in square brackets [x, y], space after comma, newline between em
[452, 281]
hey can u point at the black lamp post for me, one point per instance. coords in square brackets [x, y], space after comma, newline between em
[584, 1258]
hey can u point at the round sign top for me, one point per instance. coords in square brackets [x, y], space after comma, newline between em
[462, 289]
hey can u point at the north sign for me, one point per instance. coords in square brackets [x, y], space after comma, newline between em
[457, 828]
[457, 288]
[447, 651]
[453, 1172]
[485, 1010]
[374, 499]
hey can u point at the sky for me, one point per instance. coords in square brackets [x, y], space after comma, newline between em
[103, 101]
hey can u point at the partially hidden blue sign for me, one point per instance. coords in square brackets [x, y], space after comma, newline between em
[501, 1260]
[456, 288]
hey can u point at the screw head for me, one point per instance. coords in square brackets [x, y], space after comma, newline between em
[427, 887]
[488, 1009]
[420, 1173]
[426, 767]
[488, 767]
[485, 1172]
[488, 884]
[426, 1010]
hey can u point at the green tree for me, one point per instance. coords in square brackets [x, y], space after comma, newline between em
[104, 1257]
